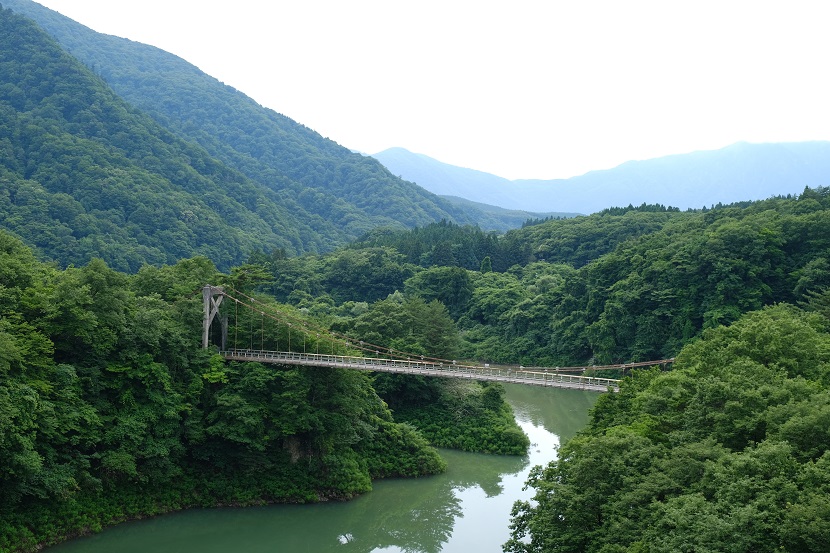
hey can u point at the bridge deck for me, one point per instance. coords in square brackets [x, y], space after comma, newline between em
[428, 368]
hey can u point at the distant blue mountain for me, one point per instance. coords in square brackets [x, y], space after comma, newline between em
[739, 172]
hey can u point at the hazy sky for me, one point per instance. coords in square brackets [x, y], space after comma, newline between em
[522, 89]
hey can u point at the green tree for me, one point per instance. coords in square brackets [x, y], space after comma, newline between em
[449, 285]
[724, 452]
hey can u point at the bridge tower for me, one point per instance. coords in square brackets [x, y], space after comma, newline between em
[212, 297]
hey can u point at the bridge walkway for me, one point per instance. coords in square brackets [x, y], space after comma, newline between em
[428, 368]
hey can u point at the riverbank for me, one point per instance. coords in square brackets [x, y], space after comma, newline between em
[395, 450]
[463, 509]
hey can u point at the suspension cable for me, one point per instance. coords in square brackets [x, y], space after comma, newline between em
[253, 303]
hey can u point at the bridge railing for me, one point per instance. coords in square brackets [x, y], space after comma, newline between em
[506, 374]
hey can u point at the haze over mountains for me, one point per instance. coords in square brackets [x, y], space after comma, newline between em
[736, 173]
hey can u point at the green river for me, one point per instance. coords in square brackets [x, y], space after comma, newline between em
[465, 509]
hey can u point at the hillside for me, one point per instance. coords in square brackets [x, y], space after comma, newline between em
[329, 189]
[86, 175]
[737, 173]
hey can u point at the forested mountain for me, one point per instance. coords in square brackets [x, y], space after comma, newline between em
[449, 180]
[700, 179]
[332, 194]
[622, 285]
[84, 174]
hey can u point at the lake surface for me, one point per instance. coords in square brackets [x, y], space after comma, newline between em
[465, 509]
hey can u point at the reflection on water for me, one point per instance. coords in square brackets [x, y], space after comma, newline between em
[465, 509]
[560, 412]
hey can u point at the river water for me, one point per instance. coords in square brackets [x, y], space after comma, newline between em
[465, 509]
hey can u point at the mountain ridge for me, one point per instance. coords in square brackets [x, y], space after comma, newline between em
[280, 184]
[739, 172]
[343, 193]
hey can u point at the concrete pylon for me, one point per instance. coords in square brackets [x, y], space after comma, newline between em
[212, 297]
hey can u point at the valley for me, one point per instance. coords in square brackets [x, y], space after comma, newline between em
[129, 180]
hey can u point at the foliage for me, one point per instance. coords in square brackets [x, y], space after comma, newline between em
[470, 416]
[726, 452]
[580, 240]
[110, 409]
[442, 244]
[649, 295]
[85, 175]
[411, 326]
[634, 284]
[449, 413]
[449, 285]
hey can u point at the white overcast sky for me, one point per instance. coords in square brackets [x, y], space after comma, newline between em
[518, 88]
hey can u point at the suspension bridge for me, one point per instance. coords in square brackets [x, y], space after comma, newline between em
[262, 334]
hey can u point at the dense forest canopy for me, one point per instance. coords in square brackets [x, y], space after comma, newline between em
[730, 451]
[624, 285]
[109, 409]
[85, 175]
[105, 393]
